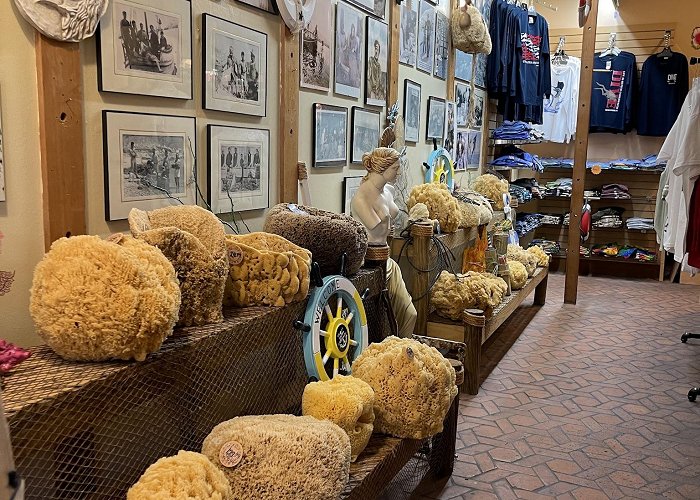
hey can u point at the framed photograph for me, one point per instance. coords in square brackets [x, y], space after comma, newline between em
[436, 119]
[474, 149]
[316, 53]
[234, 78]
[426, 37]
[377, 62]
[350, 187]
[411, 110]
[450, 127]
[461, 159]
[442, 32]
[408, 33]
[365, 133]
[238, 171]
[479, 96]
[330, 136]
[147, 161]
[463, 68]
[145, 47]
[462, 100]
[349, 40]
[375, 7]
[266, 5]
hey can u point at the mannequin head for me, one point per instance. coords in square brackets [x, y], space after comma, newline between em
[382, 162]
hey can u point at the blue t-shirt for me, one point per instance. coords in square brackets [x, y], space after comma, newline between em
[663, 88]
[614, 91]
[533, 60]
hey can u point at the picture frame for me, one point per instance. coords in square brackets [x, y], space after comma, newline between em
[474, 150]
[463, 68]
[461, 158]
[148, 161]
[269, 6]
[462, 91]
[442, 33]
[435, 128]
[375, 7]
[234, 67]
[450, 135]
[133, 57]
[377, 62]
[426, 38]
[238, 168]
[364, 137]
[350, 187]
[479, 102]
[316, 51]
[408, 33]
[349, 41]
[330, 135]
[411, 110]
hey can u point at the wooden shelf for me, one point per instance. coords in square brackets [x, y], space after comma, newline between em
[453, 241]
[612, 260]
[622, 229]
[615, 170]
[513, 142]
[638, 199]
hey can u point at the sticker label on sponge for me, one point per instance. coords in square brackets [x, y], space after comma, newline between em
[235, 255]
[231, 454]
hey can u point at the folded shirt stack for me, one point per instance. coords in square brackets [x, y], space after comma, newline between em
[514, 157]
[527, 222]
[640, 223]
[531, 185]
[609, 217]
[551, 219]
[513, 131]
[549, 246]
[625, 164]
[565, 220]
[591, 194]
[560, 187]
[615, 191]
[602, 164]
[523, 195]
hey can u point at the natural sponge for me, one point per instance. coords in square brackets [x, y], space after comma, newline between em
[492, 187]
[94, 300]
[529, 260]
[185, 476]
[453, 293]
[542, 257]
[475, 208]
[193, 239]
[326, 234]
[282, 457]
[518, 274]
[413, 386]
[442, 206]
[266, 269]
[345, 401]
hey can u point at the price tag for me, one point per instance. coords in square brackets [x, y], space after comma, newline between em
[608, 65]
[231, 454]
[235, 255]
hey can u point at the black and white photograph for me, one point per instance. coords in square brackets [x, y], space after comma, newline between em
[148, 161]
[474, 149]
[350, 187]
[407, 37]
[479, 96]
[238, 170]
[462, 100]
[266, 5]
[145, 48]
[377, 62]
[376, 7]
[463, 68]
[426, 37]
[365, 133]
[411, 110]
[442, 32]
[330, 136]
[461, 160]
[235, 67]
[450, 127]
[436, 118]
[316, 58]
[349, 43]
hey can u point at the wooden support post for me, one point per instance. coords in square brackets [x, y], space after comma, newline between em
[541, 292]
[474, 324]
[451, 58]
[59, 80]
[422, 235]
[581, 155]
[393, 64]
[288, 154]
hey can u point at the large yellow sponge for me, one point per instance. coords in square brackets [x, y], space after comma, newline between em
[442, 206]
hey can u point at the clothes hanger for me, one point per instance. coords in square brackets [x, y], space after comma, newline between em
[612, 49]
[560, 57]
[667, 52]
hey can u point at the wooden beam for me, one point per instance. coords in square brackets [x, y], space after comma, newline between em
[580, 155]
[289, 116]
[59, 80]
[451, 57]
[393, 64]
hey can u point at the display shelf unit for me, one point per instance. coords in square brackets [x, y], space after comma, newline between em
[512, 142]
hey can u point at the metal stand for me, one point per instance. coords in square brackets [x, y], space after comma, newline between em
[695, 391]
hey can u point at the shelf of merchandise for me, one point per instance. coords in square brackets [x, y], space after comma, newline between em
[609, 170]
[600, 229]
[611, 260]
[512, 142]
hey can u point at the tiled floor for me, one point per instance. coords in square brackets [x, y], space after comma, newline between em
[589, 402]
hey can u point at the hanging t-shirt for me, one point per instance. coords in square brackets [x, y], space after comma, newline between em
[534, 73]
[614, 92]
[664, 85]
[560, 108]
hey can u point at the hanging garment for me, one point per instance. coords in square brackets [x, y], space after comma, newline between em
[614, 93]
[663, 87]
[693, 235]
[560, 111]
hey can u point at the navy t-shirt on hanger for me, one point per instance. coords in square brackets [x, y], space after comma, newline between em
[614, 91]
[664, 85]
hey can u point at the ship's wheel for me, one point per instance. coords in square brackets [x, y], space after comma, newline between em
[440, 168]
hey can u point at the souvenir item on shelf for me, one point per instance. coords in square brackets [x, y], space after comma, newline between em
[411, 400]
[492, 188]
[296, 14]
[316, 57]
[518, 274]
[528, 259]
[11, 356]
[234, 60]
[266, 269]
[66, 21]
[426, 37]
[95, 299]
[187, 475]
[452, 294]
[409, 26]
[411, 110]
[345, 401]
[281, 457]
[365, 132]
[327, 235]
[474, 257]
[265, 5]
[377, 62]
[145, 48]
[330, 136]
[442, 33]
[238, 171]
[440, 168]
[442, 206]
[542, 257]
[148, 161]
[349, 43]
[436, 118]
[193, 239]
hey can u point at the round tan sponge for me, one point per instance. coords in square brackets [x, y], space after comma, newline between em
[95, 299]
[185, 476]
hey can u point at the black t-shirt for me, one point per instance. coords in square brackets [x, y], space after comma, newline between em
[663, 90]
[614, 93]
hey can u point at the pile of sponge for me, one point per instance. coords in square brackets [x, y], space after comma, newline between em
[453, 293]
